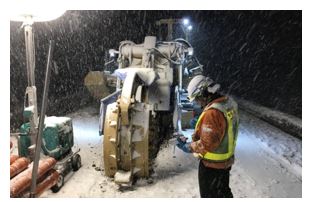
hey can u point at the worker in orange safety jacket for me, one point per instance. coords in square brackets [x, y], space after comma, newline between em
[214, 138]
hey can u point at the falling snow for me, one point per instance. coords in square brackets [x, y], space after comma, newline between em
[254, 55]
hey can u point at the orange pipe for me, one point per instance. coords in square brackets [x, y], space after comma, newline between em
[18, 166]
[13, 158]
[47, 183]
[23, 180]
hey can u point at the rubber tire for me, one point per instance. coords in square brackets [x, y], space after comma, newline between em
[76, 162]
[59, 184]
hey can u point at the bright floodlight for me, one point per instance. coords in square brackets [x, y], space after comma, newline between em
[190, 51]
[190, 27]
[111, 52]
[186, 21]
[34, 11]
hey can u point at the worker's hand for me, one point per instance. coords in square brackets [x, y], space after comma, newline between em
[196, 155]
[182, 138]
[183, 145]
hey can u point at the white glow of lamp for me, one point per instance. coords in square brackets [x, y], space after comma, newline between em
[28, 12]
[187, 27]
[186, 22]
[190, 51]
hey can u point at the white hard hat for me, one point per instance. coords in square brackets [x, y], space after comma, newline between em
[200, 83]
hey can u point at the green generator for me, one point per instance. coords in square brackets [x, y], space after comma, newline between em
[57, 137]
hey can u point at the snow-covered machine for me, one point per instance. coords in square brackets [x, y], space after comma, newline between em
[146, 109]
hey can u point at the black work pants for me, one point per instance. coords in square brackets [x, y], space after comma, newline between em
[214, 183]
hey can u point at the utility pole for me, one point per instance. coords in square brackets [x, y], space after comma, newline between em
[186, 27]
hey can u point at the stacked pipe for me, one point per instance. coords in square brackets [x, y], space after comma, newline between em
[22, 176]
[18, 166]
[13, 158]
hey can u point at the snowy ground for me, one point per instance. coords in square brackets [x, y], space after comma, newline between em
[268, 164]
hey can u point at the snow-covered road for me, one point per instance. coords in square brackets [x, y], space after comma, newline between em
[268, 160]
[268, 164]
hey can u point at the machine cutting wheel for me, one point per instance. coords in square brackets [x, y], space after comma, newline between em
[126, 145]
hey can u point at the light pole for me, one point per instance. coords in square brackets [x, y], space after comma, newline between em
[28, 16]
[28, 12]
[30, 93]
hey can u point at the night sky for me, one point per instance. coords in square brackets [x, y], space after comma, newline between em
[256, 55]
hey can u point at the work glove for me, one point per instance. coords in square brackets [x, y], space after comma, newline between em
[183, 144]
